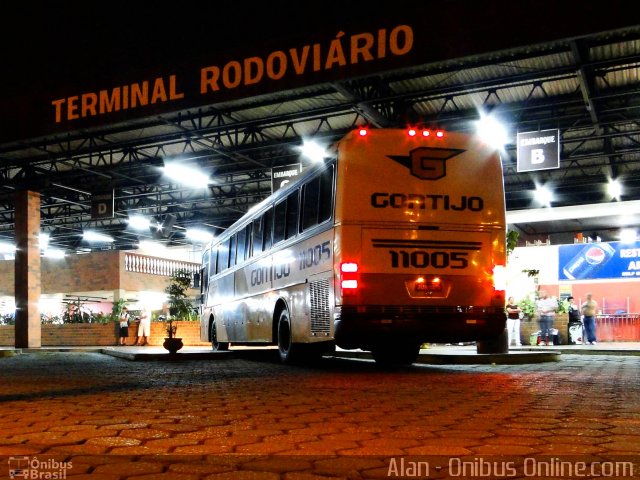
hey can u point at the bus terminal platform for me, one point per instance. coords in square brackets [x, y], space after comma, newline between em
[434, 354]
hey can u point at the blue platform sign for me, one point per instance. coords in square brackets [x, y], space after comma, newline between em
[586, 261]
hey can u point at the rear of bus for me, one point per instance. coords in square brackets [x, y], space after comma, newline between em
[419, 240]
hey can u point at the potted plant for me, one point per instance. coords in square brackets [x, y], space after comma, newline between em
[171, 342]
[179, 307]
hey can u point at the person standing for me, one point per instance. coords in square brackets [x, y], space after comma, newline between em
[513, 321]
[546, 307]
[124, 325]
[589, 310]
[144, 328]
[574, 328]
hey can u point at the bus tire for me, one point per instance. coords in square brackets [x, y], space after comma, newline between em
[215, 344]
[498, 344]
[286, 351]
[397, 353]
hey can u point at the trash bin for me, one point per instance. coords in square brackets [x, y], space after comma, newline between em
[534, 338]
[574, 333]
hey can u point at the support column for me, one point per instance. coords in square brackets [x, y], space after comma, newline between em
[27, 270]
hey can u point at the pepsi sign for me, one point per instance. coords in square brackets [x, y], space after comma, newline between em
[599, 261]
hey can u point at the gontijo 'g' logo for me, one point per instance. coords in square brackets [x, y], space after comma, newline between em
[427, 163]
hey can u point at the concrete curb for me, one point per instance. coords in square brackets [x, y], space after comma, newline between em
[179, 356]
[471, 358]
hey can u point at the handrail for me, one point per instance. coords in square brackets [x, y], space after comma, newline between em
[135, 262]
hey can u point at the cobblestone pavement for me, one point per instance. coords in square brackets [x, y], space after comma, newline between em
[95, 416]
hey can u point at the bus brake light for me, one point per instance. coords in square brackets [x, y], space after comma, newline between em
[500, 277]
[349, 276]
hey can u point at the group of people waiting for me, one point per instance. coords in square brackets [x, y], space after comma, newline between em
[546, 307]
[144, 327]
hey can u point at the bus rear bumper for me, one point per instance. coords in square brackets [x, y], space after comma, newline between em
[361, 327]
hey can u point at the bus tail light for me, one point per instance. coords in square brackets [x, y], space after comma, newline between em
[348, 277]
[500, 277]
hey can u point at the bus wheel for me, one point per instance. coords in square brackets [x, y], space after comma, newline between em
[498, 344]
[400, 353]
[215, 344]
[284, 338]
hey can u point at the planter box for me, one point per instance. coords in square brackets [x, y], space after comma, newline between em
[102, 334]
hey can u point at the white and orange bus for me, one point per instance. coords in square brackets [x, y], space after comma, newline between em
[397, 240]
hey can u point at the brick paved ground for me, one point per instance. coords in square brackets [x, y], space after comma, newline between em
[252, 418]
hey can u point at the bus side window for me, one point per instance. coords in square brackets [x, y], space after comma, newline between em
[279, 221]
[257, 236]
[268, 229]
[247, 246]
[242, 240]
[204, 272]
[214, 260]
[292, 215]
[326, 195]
[233, 240]
[223, 256]
[310, 198]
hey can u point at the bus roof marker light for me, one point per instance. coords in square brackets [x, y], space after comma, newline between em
[426, 133]
[362, 132]
[412, 132]
[440, 133]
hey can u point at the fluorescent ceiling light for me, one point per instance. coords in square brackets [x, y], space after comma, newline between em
[198, 235]
[43, 240]
[492, 131]
[628, 235]
[152, 247]
[186, 175]
[53, 253]
[6, 247]
[614, 188]
[138, 222]
[91, 236]
[543, 195]
[313, 151]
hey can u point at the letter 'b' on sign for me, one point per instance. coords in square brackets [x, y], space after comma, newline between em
[537, 156]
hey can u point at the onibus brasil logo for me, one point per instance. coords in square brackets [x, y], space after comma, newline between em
[35, 468]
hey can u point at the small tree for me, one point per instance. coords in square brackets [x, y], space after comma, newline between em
[179, 305]
[512, 241]
[116, 309]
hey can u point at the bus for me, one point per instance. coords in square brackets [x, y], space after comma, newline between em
[397, 239]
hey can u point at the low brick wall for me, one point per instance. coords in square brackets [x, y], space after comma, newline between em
[527, 327]
[189, 332]
[98, 334]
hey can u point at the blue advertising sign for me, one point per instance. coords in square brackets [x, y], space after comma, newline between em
[598, 261]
